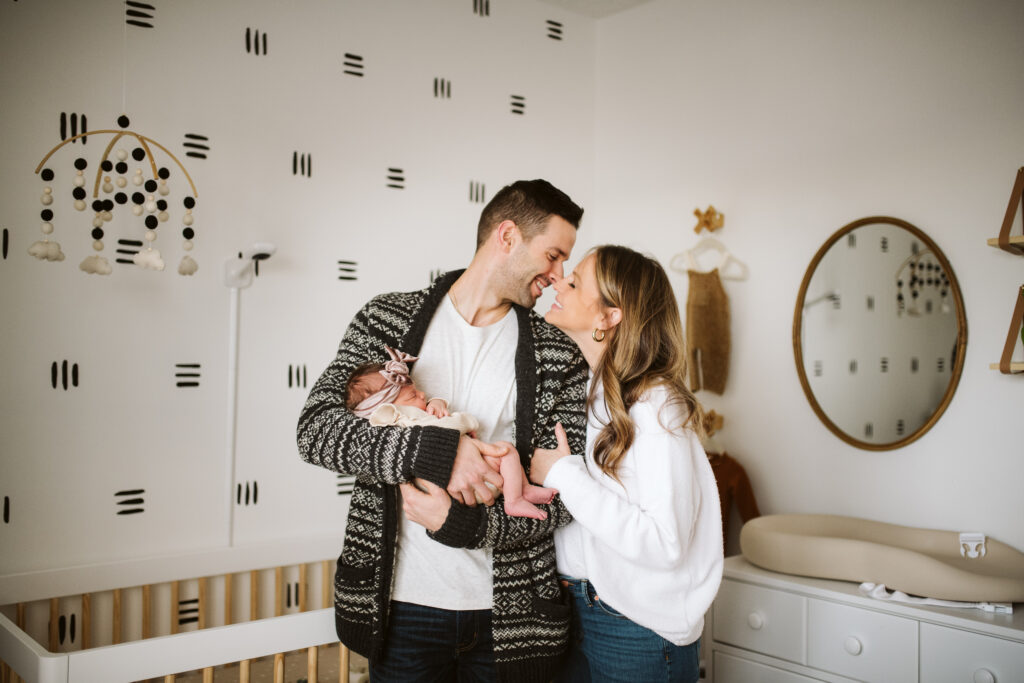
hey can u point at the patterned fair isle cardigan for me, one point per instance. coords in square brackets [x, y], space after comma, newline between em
[529, 616]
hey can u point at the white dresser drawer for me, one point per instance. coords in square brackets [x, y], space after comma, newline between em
[729, 669]
[861, 644]
[952, 656]
[761, 619]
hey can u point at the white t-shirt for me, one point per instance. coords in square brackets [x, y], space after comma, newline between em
[473, 368]
[652, 545]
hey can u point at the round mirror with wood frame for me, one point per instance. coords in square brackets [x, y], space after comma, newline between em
[879, 333]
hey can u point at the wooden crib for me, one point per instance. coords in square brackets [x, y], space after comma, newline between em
[140, 621]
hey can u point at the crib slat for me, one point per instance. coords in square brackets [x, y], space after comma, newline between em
[343, 663]
[312, 663]
[279, 667]
[86, 620]
[208, 675]
[115, 626]
[302, 587]
[243, 671]
[325, 582]
[147, 611]
[19, 619]
[278, 591]
[254, 602]
[53, 624]
[175, 596]
[202, 602]
[227, 598]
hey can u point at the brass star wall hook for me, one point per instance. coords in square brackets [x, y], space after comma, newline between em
[709, 220]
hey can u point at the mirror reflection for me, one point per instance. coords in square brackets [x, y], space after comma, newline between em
[879, 333]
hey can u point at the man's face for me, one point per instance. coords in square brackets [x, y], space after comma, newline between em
[536, 264]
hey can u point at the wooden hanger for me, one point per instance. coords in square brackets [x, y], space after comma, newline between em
[687, 260]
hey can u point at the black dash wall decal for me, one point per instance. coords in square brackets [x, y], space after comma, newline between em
[554, 30]
[255, 42]
[186, 374]
[130, 501]
[396, 178]
[482, 8]
[853, 367]
[251, 494]
[136, 12]
[63, 374]
[7, 509]
[297, 376]
[345, 484]
[941, 365]
[292, 589]
[196, 146]
[885, 245]
[914, 364]
[818, 368]
[434, 274]
[354, 65]
[518, 104]
[347, 270]
[477, 192]
[302, 164]
[851, 240]
[442, 88]
[869, 430]
[901, 426]
[69, 124]
[188, 611]
[871, 303]
[127, 249]
[6, 242]
[885, 364]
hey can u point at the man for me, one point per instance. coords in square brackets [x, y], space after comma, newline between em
[478, 598]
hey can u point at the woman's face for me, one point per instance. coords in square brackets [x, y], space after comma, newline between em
[577, 309]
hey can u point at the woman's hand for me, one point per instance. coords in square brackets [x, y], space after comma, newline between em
[425, 503]
[544, 458]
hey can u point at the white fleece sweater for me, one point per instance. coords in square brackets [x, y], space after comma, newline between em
[652, 546]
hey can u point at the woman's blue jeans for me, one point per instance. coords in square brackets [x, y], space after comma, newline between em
[430, 644]
[604, 645]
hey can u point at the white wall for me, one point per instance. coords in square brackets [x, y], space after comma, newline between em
[794, 118]
[65, 453]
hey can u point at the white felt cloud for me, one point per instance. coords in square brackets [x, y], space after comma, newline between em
[96, 265]
[188, 265]
[149, 258]
[45, 250]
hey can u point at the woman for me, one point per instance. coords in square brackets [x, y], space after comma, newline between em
[643, 558]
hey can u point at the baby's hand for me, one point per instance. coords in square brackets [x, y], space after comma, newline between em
[438, 407]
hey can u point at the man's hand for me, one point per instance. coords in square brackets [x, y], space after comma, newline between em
[470, 472]
[544, 458]
[438, 407]
[425, 503]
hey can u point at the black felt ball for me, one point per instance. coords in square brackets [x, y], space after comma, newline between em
[121, 198]
[78, 193]
[189, 202]
[188, 233]
[151, 222]
[164, 173]
[97, 233]
[161, 204]
[81, 164]
[47, 174]
[121, 167]
[107, 165]
[123, 121]
[46, 215]
[138, 198]
[150, 186]
[97, 205]
[138, 154]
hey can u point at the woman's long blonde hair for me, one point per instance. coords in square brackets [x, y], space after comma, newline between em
[645, 350]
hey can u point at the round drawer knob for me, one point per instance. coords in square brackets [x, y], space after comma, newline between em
[984, 676]
[853, 646]
[755, 621]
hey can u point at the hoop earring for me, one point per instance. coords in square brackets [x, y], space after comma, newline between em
[596, 338]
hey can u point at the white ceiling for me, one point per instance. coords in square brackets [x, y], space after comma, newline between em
[595, 8]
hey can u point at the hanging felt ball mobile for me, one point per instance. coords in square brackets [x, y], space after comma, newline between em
[113, 177]
[188, 266]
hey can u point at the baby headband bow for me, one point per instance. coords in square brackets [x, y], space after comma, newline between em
[396, 376]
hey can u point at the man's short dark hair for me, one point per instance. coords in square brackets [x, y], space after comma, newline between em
[529, 204]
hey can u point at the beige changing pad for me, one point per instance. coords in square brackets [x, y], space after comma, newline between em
[922, 562]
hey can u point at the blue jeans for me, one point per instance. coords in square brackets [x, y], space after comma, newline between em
[604, 645]
[427, 644]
